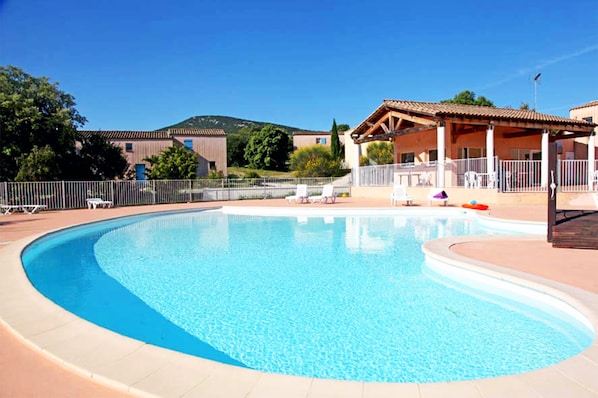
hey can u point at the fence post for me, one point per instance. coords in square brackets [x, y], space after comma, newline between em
[154, 192]
[112, 192]
[264, 185]
[62, 186]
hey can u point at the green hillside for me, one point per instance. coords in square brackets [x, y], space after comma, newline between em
[228, 124]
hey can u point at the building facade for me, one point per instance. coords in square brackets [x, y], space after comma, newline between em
[435, 133]
[209, 144]
[302, 139]
[578, 149]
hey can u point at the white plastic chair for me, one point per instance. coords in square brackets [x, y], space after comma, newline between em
[492, 182]
[472, 179]
[424, 179]
[399, 192]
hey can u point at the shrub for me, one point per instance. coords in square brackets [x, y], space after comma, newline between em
[315, 161]
[215, 175]
[252, 174]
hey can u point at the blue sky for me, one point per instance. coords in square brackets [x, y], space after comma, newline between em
[143, 65]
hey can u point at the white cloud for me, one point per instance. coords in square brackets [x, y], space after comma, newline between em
[541, 65]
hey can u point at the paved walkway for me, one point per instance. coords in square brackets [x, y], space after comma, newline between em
[26, 373]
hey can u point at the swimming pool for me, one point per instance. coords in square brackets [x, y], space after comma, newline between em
[252, 307]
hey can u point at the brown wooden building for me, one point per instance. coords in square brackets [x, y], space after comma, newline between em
[209, 144]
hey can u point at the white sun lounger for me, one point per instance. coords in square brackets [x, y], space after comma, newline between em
[32, 209]
[300, 195]
[433, 196]
[95, 202]
[327, 195]
[29, 209]
[8, 209]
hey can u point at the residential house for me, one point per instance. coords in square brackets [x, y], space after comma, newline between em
[308, 138]
[209, 144]
[578, 148]
[351, 156]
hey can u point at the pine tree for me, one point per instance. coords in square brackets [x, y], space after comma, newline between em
[335, 143]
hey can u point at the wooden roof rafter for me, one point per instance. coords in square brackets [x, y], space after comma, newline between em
[396, 133]
[520, 133]
[413, 118]
[565, 135]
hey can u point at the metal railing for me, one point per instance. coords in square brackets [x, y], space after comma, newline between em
[508, 175]
[74, 194]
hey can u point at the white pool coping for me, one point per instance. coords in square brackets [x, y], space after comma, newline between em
[146, 370]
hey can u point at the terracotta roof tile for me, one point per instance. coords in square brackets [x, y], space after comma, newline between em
[312, 133]
[458, 110]
[197, 132]
[589, 104]
[152, 135]
[128, 135]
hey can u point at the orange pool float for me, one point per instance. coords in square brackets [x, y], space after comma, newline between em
[475, 206]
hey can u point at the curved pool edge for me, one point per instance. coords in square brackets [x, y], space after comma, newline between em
[145, 370]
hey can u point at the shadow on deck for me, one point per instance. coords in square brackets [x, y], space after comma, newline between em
[576, 229]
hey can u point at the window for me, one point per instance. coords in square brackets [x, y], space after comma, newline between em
[212, 165]
[408, 157]
[129, 147]
[433, 155]
[189, 144]
[468, 153]
[321, 141]
[588, 119]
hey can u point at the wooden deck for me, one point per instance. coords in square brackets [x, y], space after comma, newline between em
[576, 229]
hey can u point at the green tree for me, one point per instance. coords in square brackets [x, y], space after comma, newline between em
[174, 163]
[379, 153]
[335, 142]
[37, 165]
[35, 113]
[343, 127]
[236, 144]
[100, 159]
[268, 149]
[315, 161]
[467, 97]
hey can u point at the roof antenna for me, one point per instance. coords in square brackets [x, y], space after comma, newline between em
[536, 91]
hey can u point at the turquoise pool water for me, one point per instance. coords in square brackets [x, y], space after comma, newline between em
[342, 297]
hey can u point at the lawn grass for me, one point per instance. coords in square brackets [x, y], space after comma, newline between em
[242, 171]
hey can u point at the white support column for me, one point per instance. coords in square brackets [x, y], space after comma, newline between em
[490, 156]
[544, 162]
[356, 156]
[440, 144]
[591, 160]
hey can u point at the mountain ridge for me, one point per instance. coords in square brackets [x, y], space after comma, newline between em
[229, 124]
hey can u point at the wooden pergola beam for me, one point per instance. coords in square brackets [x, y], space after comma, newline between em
[386, 136]
[412, 118]
[521, 124]
[373, 127]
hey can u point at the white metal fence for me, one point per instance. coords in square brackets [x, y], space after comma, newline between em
[508, 175]
[73, 194]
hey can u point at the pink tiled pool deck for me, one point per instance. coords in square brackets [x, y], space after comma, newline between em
[34, 367]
